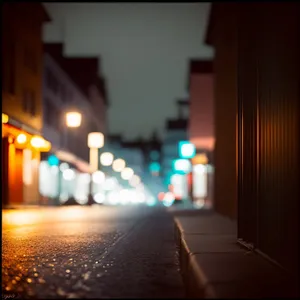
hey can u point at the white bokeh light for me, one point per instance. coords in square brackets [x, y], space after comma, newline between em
[99, 198]
[118, 165]
[124, 196]
[201, 169]
[54, 170]
[113, 198]
[106, 158]
[135, 180]
[110, 184]
[68, 174]
[86, 177]
[127, 173]
[64, 166]
[188, 150]
[81, 198]
[183, 165]
[81, 188]
[98, 177]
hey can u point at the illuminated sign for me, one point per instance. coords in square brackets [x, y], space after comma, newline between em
[154, 167]
[53, 160]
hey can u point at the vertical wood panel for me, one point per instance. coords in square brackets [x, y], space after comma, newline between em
[268, 129]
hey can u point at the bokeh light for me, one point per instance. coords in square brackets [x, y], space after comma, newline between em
[99, 198]
[118, 165]
[106, 158]
[127, 173]
[69, 174]
[98, 177]
[134, 180]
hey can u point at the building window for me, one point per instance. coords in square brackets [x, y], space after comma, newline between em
[29, 102]
[30, 60]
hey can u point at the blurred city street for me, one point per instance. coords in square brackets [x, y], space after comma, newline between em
[90, 252]
[150, 150]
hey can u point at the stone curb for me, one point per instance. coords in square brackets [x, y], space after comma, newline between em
[223, 269]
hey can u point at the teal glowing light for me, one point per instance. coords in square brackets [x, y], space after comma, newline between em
[53, 160]
[154, 167]
[186, 149]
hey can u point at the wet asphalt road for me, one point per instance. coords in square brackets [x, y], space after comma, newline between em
[90, 252]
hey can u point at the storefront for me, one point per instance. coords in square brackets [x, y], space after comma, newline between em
[21, 149]
[62, 177]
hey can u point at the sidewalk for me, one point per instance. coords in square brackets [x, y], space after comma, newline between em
[213, 265]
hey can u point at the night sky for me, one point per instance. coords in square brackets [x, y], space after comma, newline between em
[144, 50]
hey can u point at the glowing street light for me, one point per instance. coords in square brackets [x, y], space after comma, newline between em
[73, 119]
[127, 173]
[95, 141]
[106, 158]
[118, 165]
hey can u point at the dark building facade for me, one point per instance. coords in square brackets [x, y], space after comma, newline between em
[84, 72]
[257, 83]
[61, 94]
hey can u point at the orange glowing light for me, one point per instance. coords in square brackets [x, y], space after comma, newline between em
[5, 118]
[40, 143]
[161, 196]
[200, 158]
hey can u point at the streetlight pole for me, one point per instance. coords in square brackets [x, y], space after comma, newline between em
[72, 120]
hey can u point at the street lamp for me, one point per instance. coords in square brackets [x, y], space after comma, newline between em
[73, 119]
[95, 141]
